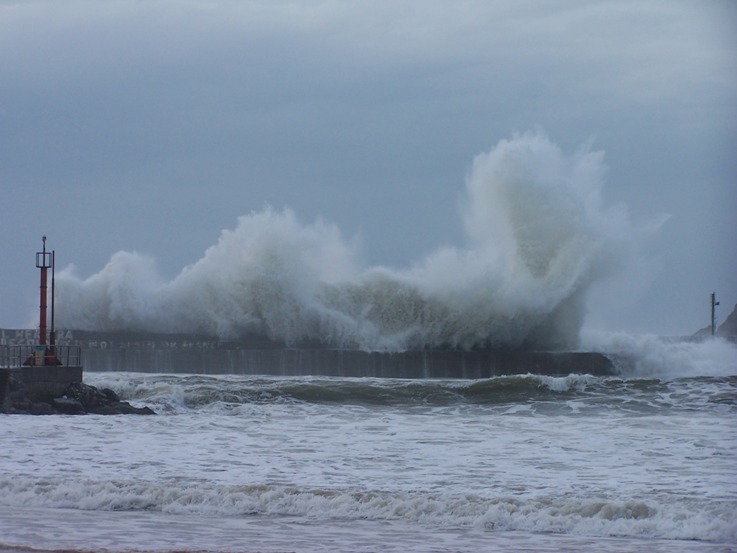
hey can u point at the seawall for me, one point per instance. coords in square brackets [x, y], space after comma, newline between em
[175, 353]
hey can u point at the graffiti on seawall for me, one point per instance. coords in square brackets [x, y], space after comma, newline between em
[91, 340]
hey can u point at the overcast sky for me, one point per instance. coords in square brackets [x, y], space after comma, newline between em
[151, 126]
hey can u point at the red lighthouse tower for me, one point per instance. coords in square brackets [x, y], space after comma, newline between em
[48, 369]
[45, 351]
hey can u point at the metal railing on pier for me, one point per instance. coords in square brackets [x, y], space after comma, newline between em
[15, 357]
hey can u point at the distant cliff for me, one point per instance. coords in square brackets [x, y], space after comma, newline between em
[728, 329]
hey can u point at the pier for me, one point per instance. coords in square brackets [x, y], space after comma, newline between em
[194, 354]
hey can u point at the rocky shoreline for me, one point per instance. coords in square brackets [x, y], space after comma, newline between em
[78, 399]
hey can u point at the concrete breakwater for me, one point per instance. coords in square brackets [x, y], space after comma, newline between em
[177, 353]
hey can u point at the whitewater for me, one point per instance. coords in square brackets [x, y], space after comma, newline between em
[248, 463]
[642, 461]
[537, 237]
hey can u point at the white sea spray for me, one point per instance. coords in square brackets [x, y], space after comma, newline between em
[537, 238]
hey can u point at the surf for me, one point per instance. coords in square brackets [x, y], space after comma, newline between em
[537, 236]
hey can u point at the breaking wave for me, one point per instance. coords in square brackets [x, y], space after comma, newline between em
[537, 237]
[234, 395]
[687, 519]
[649, 356]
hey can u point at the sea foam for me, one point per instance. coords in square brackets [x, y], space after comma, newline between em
[537, 237]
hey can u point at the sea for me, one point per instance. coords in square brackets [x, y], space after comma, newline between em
[642, 461]
[645, 460]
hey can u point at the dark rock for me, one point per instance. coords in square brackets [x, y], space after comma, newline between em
[121, 408]
[110, 395]
[89, 396]
[103, 402]
[68, 406]
[79, 399]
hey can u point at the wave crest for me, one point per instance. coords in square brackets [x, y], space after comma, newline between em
[537, 238]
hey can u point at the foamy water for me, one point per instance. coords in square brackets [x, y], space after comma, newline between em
[248, 463]
[537, 238]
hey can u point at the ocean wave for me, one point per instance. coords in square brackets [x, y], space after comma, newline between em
[655, 517]
[537, 238]
[199, 391]
[649, 356]
[574, 394]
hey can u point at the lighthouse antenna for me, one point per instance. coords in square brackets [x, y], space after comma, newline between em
[52, 334]
[714, 304]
